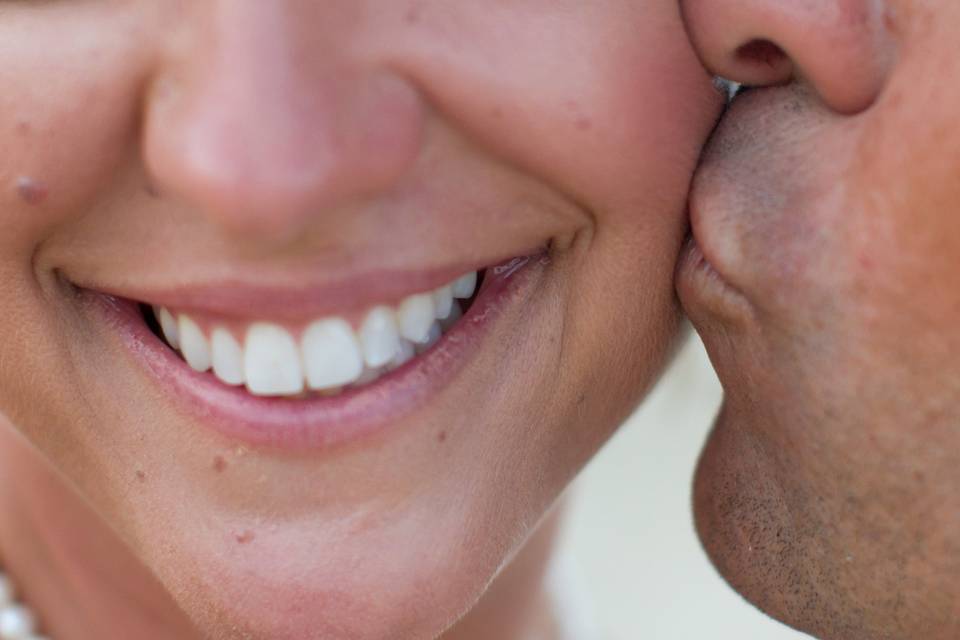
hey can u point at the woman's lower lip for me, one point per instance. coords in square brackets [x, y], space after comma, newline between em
[323, 422]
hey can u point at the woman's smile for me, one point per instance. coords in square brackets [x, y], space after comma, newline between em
[318, 382]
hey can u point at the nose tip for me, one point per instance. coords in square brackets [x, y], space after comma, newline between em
[840, 47]
[269, 168]
[262, 129]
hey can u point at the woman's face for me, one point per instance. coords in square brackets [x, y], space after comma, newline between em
[258, 167]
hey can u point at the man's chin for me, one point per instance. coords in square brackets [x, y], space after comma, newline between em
[745, 518]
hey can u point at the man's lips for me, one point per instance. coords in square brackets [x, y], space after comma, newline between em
[711, 268]
[699, 283]
[316, 421]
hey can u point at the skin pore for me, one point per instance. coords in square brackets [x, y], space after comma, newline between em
[826, 209]
[293, 147]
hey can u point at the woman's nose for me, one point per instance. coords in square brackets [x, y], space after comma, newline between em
[842, 48]
[262, 116]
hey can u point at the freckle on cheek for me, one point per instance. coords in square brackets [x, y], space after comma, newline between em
[245, 537]
[31, 191]
[890, 21]
[219, 464]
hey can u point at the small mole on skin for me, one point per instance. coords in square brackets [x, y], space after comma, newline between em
[245, 538]
[151, 190]
[23, 127]
[584, 124]
[141, 476]
[31, 191]
[890, 22]
[442, 437]
[219, 464]
[413, 15]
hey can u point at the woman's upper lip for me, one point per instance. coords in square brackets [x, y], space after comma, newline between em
[286, 301]
[294, 299]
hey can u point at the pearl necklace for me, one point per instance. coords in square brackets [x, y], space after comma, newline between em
[17, 621]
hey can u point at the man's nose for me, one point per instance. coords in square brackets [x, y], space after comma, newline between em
[263, 115]
[842, 48]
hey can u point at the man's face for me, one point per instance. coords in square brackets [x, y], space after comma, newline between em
[274, 164]
[828, 212]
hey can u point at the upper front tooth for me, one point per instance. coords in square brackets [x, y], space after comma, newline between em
[17, 622]
[455, 314]
[465, 285]
[443, 300]
[405, 353]
[331, 354]
[369, 375]
[271, 361]
[227, 357]
[168, 324]
[433, 336]
[415, 315]
[379, 337]
[193, 344]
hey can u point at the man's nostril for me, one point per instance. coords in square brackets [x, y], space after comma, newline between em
[761, 52]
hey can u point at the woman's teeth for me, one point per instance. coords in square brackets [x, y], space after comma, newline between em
[329, 354]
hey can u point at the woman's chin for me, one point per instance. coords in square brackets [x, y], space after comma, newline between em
[309, 580]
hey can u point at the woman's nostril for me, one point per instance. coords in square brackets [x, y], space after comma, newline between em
[761, 52]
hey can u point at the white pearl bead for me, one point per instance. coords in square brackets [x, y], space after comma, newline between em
[7, 592]
[16, 623]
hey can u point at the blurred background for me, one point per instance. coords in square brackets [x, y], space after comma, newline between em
[629, 551]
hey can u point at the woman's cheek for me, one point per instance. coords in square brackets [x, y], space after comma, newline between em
[617, 127]
[67, 130]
